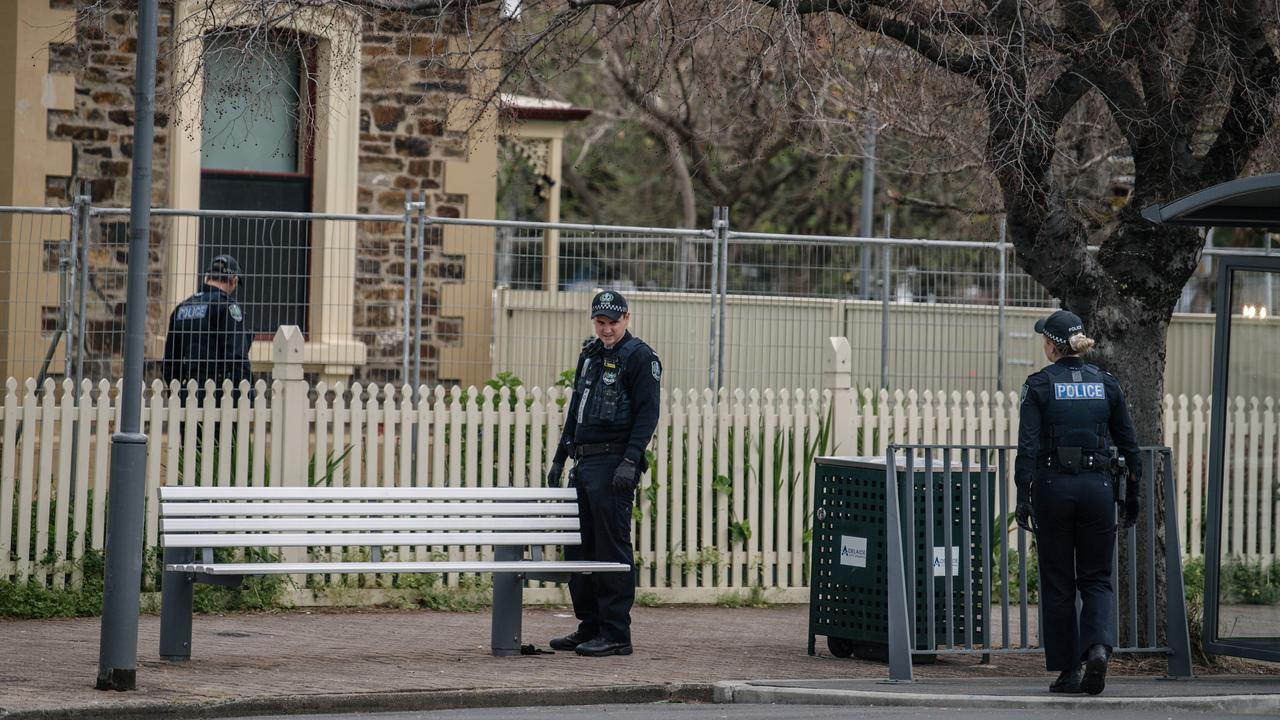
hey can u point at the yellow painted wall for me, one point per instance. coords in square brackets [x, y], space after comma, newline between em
[476, 177]
[27, 156]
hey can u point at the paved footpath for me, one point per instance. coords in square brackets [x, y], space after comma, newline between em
[333, 660]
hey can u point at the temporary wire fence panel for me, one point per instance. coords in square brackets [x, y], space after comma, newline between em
[37, 250]
[433, 300]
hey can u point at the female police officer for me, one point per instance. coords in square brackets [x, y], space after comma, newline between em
[1072, 413]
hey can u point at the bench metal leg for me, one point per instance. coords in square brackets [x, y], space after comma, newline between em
[508, 604]
[176, 594]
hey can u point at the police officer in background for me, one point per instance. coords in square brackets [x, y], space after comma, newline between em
[207, 337]
[1071, 415]
[610, 419]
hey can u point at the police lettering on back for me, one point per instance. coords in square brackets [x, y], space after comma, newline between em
[1079, 391]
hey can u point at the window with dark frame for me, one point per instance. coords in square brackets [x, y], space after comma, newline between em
[257, 143]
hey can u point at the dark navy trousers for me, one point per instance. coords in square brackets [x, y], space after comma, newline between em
[602, 601]
[1075, 539]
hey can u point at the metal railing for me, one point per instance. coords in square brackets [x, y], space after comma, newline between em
[918, 476]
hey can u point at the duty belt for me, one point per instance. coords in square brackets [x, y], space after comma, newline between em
[599, 449]
[1089, 461]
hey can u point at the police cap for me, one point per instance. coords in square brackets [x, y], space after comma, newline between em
[609, 303]
[223, 266]
[1060, 326]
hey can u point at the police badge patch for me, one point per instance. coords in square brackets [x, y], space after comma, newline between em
[609, 378]
[1022, 394]
[234, 311]
[656, 370]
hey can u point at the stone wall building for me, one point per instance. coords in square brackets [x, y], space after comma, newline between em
[373, 117]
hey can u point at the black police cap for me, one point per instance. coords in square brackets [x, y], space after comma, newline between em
[224, 266]
[1060, 326]
[609, 303]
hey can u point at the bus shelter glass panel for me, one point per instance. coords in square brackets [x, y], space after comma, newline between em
[1249, 573]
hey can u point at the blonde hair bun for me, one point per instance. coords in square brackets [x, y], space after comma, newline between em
[1080, 343]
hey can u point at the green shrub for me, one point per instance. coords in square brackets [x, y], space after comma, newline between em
[259, 592]
[34, 599]
[471, 594]
[1249, 582]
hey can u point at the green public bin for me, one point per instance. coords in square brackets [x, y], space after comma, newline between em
[848, 600]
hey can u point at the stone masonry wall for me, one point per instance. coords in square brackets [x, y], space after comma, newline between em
[403, 147]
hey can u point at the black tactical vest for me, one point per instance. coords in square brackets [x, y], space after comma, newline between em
[1077, 412]
[603, 399]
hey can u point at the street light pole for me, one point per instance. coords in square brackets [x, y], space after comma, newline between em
[118, 648]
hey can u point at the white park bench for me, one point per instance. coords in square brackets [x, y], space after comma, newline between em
[196, 520]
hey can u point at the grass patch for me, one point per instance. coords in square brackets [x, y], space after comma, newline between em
[737, 599]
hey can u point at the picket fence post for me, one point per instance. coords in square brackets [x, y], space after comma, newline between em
[294, 431]
[290, 393]
[837, 376]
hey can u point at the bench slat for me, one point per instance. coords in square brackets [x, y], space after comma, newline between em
[315, 509]
[170, 525]
[192, 540]
[395, 567]
[506, 494]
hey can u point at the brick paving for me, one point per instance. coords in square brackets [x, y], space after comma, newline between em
[48, 667]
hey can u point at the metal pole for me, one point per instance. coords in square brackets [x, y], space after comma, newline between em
[1268, 277]
[886, 255]
[67, 264]
[84, 202]
[1209, 272]
[65, 291]
[421, 278]
[715, 284]
[80, 278]
[682, 263]
[868, 200]
[1000, 312]
[118, 648]
[724, 291]
[408, 240]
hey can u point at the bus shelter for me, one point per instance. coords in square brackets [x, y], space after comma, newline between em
[1241, 616]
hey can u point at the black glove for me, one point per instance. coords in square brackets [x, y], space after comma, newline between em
[1025, 516]
[624, 478]
[1130, 511]
[553, 475]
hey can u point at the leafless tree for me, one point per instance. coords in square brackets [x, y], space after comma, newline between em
[1056, 97]
[1053, 96]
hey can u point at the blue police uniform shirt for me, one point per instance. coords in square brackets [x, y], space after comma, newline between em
[616, 397]
[207, 340]
[1072, 403]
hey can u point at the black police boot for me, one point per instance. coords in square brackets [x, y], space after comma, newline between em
[570, 641]
[1068, 681]
[1095, 669]
[600, 647]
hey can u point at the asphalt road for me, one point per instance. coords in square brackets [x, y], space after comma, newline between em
[673, 711]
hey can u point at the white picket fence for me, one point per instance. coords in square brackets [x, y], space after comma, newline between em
[725, 507]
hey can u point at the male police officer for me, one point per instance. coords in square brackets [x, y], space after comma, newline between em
[611, 417]
[1071, 415]
[207, 337]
